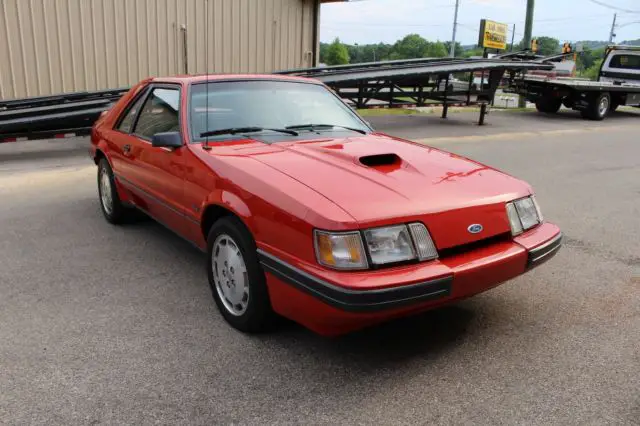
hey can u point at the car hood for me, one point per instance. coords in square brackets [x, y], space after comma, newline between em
[378, 179]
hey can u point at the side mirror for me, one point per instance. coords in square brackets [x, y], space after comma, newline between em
[170, 140]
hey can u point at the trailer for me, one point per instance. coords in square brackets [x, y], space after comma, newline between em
[420, 82]
[618, 84]
[391, 83]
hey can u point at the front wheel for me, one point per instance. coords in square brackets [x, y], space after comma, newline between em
[237, 281]
[598, 108]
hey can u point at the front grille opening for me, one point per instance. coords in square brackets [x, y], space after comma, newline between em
[465, 248]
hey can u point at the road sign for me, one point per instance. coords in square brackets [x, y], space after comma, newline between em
[493, 35]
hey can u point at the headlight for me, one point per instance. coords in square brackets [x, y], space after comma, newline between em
[389, 245]
[523, 214]
[340, 250]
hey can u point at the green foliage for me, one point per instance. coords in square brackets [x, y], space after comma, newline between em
[415, 46]
[593, 71]
[437, 50]
[546, 46]
[336, 53]
[411, 46]
[588, 58]
[459, 48]
[477, 51]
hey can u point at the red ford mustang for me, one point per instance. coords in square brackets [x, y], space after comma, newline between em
[304, 210]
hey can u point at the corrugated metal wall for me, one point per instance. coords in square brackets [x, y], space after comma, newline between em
[59, 46]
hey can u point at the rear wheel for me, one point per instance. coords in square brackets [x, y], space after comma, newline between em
[548, 105]
[598, 108]
[237, 281]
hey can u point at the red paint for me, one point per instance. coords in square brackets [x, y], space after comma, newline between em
[283, 191]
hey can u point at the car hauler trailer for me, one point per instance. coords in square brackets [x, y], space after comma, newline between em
[392, 83]
[618, 84]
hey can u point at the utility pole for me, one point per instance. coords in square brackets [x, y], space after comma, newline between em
[513, 37]
[612, 34]
[528, 26]
[452, 53]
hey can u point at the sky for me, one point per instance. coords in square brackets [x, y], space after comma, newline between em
[372, 21]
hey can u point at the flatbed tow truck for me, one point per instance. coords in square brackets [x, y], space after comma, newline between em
[618, 84]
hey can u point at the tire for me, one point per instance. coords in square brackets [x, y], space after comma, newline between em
[113, 209]
[548, 105]
[599, 107]
[237, 281]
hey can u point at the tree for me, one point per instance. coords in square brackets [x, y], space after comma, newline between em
[593, 71]
[588, 58]
[459, 49]
[336, 53]
[436, 50]
[411, 46]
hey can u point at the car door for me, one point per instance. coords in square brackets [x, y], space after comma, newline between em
[120, 138]
[156, 174]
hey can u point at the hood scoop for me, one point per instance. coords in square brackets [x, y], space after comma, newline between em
[380, 160]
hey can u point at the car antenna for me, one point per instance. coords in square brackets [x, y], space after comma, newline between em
[205, 144]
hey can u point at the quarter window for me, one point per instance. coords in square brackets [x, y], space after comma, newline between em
[127, 122]
[160, 113]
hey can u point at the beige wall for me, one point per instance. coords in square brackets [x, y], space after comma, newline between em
[58, 46]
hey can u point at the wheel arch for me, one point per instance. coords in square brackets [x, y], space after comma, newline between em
[225, 204]
[99, 155]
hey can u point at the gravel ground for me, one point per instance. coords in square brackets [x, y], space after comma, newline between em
[116, 325]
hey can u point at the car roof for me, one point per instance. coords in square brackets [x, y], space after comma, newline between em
[201, 78]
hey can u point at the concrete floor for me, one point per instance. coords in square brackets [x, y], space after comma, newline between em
[116, 325]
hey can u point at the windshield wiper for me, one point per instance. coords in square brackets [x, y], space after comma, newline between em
[323, 126]
[240, 130]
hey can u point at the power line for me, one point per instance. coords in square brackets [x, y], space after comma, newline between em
[620, 9]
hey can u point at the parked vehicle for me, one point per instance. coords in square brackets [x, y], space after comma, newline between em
[618, 84]
[304, 210]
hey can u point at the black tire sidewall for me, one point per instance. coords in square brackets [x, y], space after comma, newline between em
[548, 105]
[117, 209]
[593, 113]
[258, 315]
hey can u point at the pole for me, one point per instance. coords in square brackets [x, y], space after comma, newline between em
[452, 53]
[528, 26]
[612, 34]
[513, 37]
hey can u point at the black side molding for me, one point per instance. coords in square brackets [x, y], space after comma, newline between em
[544, 252]
[355, 300]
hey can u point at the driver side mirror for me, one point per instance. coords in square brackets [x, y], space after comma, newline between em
[170, 140]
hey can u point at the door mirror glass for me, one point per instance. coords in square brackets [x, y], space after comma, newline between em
[167, 140]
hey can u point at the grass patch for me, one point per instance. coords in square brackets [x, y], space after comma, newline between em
[377, 112]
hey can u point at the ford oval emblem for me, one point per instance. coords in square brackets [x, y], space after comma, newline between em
[475, 228]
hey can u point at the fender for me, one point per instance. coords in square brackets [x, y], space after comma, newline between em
[229, 201]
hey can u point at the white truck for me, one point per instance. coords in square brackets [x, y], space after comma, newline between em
[618, 84]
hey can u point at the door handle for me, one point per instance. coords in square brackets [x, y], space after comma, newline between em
[126, 149]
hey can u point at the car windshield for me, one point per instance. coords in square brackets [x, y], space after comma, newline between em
[268, 104]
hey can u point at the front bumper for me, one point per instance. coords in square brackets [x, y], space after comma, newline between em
[544, 252]
[331, 302]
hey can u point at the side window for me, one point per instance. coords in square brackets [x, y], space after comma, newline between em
[127, 122]
[630, 62]
[160, 113]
